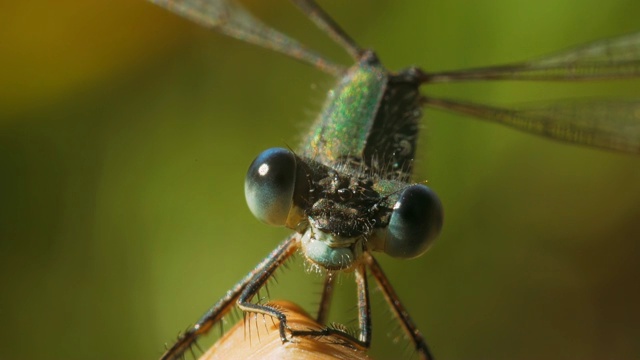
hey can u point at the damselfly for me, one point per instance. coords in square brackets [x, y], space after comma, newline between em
[347, 190]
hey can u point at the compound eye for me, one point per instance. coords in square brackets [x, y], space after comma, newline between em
[269, 185]
[415, 222]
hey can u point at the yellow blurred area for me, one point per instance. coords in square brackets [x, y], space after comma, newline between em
[50, 48]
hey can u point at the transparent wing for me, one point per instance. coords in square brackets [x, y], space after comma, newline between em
[612, 58]
[605, 124]
[233, 20]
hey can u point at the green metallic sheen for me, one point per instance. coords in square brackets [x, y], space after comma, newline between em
[344, 125]
[388, 187]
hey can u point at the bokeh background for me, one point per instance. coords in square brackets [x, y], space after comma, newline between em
[125, 133]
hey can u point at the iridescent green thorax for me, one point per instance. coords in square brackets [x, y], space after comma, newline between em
[369, 122]
[342, 128]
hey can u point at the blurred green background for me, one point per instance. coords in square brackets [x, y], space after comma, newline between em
[125, 133]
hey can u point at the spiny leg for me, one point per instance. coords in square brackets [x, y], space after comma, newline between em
[254, 280]
[399, 310]
[245, 304]
[364, 317]
[325, 300]
[364, 306]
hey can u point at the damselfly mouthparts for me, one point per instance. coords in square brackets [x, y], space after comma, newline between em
[347, 190]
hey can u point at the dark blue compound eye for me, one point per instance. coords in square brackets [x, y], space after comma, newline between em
[415, 222]
[270, 184]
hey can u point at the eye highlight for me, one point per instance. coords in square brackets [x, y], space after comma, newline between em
[416, 220]
[270, 184]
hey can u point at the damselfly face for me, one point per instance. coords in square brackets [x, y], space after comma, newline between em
[349, 179]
